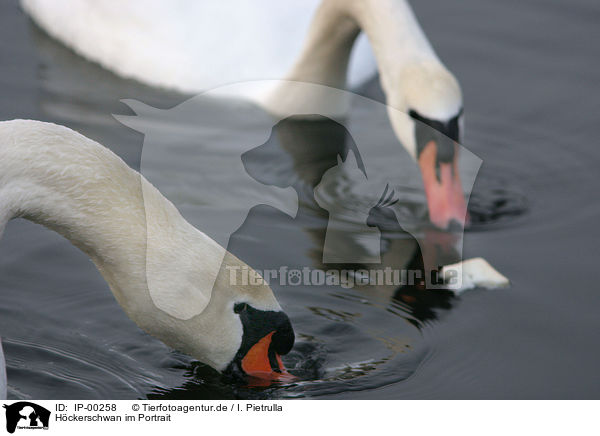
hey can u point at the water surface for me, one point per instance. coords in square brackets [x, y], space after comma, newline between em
[530, 116]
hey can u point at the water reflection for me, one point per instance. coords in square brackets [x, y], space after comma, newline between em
[302, 154]
[352, 220]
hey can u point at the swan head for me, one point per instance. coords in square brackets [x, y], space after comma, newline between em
[260, 332]
[425, 108]
[266, 335]
[242, 331]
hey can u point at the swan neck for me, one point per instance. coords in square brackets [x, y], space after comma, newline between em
[392, 30]
[326, 52]
[395, 35]
[62, 180]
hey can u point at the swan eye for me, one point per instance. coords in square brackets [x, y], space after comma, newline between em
[240, 307]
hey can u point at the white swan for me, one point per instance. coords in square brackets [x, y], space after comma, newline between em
[193, 46]
[56, 177]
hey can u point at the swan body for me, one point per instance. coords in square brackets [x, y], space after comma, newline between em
[188, 45]
[143, 247]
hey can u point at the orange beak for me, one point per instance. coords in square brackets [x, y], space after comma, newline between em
[443, 189]
[263, 363]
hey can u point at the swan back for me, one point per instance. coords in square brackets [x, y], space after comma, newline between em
[184, 45]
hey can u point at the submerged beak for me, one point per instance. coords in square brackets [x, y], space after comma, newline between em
[263, 362]
[266, 337]
[445, 199]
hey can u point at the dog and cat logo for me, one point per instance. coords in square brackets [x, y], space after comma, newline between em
[26, 415]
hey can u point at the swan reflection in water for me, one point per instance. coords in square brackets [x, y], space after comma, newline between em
[352, 220]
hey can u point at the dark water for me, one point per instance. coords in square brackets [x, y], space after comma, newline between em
[529, 73]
